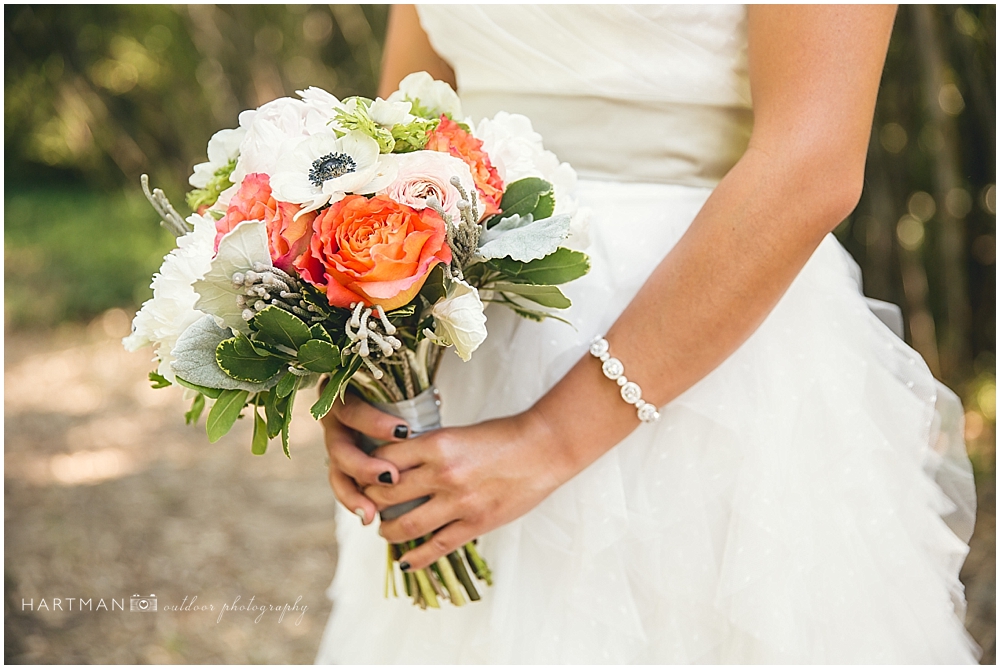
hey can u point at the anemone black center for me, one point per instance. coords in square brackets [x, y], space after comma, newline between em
[331, 166]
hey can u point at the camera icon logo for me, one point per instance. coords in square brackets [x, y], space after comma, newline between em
[140, 603]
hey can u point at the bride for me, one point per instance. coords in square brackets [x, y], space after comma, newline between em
[805, 496]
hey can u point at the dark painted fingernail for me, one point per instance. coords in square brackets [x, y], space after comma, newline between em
[385, 477]
[401, 432]
[405, 566]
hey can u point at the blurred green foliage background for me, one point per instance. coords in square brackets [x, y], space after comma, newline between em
[97, 95]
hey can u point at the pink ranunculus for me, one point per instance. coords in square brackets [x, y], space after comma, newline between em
[287, 237]
[423, 174]
[449, 137]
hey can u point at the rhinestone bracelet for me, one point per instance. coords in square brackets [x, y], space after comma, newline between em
[615, 370]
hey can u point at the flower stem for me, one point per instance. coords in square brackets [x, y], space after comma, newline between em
[463, 576]
[426, 589]
[478, 564]
[451, 582]
[407, 579]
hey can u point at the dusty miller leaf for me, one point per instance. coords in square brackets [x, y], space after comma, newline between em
[523, 239]
[196, 362]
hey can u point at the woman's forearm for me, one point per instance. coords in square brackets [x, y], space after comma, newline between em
[708, 295]
[814, 73]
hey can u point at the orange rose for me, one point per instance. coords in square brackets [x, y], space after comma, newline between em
[287, 238]
[373, 250]
[450, 138]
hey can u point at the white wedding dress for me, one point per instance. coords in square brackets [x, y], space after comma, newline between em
[809, 500]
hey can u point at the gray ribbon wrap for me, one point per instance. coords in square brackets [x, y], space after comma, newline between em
[423, 414]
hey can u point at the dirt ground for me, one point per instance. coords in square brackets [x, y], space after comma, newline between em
[97, 509]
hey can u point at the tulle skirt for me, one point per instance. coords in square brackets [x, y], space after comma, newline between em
[809, 500]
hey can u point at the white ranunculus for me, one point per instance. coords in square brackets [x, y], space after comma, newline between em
[170, 311]
[422, 174]
[516, 150]
[433, 95]
[323, 101]
[459, 319]
[274, 130]
[223, 147]
[323, 168]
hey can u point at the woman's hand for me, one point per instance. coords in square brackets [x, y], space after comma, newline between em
[478, 478]
[350, 467]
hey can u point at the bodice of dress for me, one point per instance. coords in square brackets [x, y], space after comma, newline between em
[631, 93]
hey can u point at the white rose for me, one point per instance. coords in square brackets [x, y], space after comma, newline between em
[223, 147]
[275, 129]
[433, 95]
[422, 174]
[516, 150]
[459, 319]
[170, 311]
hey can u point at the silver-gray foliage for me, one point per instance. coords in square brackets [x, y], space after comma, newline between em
[523, 239]
[195, 358]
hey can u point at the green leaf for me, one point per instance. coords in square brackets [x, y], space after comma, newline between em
[273, 406]
[208, 392]
[352, 368]
[402, 312]
[281, 327]
[560, 267]
[317, 331]
[522, 196]
[545, 207]
[210, 193]
[326, 399]
[333, 387]
[287, 422]
[158, 380]
[413, 136]
[238, 359]
[264, 348]
[259, 444]
[317, 355]
[434, 288]
[547, 296]
[245, 348]
[533, 314]
[285, 386]
[194, 413]
[224, 413]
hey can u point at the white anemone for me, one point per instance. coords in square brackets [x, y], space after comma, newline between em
[323, 168]
[276, 128]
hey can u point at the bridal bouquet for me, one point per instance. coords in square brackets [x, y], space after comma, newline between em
[355, 240]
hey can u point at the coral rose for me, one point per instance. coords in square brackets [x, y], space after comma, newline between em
[449, 137]
[287, 237]
[376, 251]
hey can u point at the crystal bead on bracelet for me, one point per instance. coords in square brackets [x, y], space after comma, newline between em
[615, 370]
